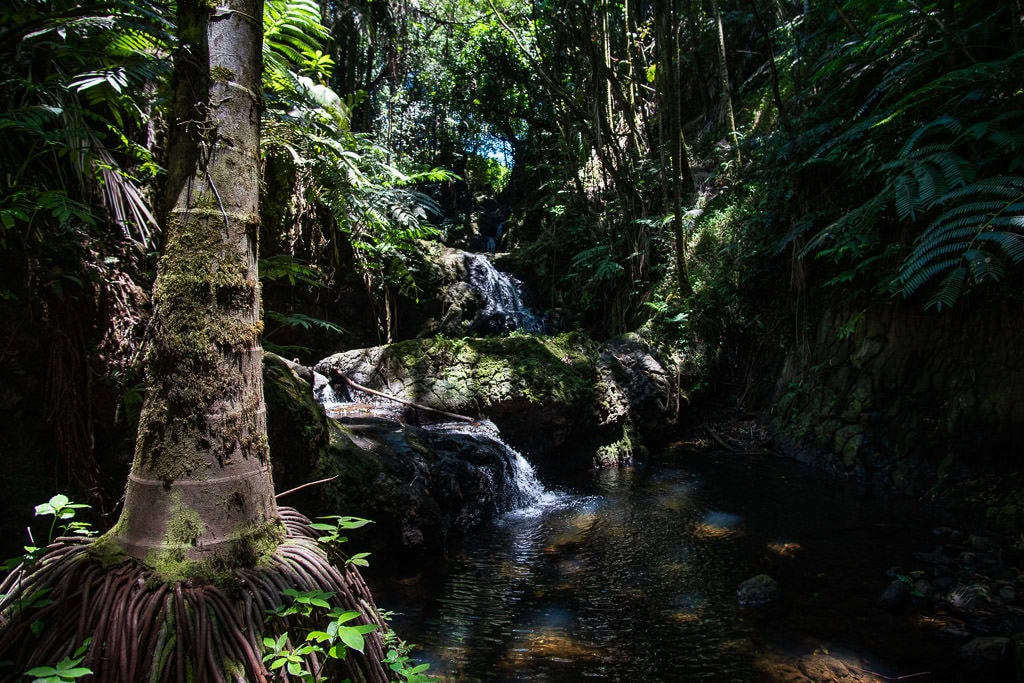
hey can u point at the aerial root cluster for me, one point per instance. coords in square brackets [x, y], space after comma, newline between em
[143, 629]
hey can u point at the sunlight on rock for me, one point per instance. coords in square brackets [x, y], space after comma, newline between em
[784, 549]
[945, 624]
[717, 524]
[582, 521]
[672, 570]
[549, 645]
[566, 539]
[813, 667]
[682, 617]
[737, 646]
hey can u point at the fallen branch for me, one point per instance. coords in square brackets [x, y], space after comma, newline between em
[306, 485]
[418, 406]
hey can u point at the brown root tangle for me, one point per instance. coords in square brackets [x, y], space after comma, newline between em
[143, 629]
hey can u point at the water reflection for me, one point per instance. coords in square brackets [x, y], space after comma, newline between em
[633, 577]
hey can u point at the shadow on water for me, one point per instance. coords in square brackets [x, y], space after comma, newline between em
[631, 575]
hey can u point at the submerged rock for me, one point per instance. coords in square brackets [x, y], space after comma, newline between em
[758, 591]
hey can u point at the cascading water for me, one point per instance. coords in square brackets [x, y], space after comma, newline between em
[323, 391]
[494, 477]
[514, 483]
[512, 479]
[502, 296]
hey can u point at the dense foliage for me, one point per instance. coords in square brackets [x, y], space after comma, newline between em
[671, 163]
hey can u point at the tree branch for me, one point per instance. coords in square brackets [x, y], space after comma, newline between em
[418, 406]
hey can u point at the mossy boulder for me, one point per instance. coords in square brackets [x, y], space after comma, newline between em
[531, 387]
[419, 486]
[593, 404]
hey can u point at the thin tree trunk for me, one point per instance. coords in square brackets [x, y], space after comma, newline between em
[200, 491]
[776, 91]
[670, 113]
[723, 82]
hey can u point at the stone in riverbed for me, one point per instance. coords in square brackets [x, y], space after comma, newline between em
[895, 596]
[985, 649]
[758, 591]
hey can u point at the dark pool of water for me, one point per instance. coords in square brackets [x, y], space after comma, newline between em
[631, 575]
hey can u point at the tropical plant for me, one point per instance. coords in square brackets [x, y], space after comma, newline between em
[178, 587]
[955, 179]
[373, 205]
[77, 82]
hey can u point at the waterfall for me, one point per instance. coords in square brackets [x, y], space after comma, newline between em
[323, 391]
[504, 310]
[514, 483]
[521, 487]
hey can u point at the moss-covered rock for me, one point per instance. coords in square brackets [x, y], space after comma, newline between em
[419, 486]
[544, 393]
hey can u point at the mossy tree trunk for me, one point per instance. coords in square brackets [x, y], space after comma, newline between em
[200, 490]
[181, 587]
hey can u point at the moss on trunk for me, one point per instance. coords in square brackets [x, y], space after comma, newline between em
[200, 496]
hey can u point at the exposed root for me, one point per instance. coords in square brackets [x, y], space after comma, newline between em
[143, 629]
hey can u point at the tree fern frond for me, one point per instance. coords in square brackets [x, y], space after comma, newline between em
[1007, 187]
[984, 265]
[1010, 243]
[945, 123]
[949, 290]
[913, 280]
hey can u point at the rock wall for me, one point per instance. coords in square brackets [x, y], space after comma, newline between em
[909, 399]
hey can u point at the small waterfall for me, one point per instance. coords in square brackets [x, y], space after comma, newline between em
[514, 482]
[502, 294]
[522, 488]
[323, 391]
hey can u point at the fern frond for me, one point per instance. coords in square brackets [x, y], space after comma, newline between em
[984, 265]
[950, 290]
[916, 278]
[1011, 244]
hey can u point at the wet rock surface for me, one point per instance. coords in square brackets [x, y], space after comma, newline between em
[758, 591]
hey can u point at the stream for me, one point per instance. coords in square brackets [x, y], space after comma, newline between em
[631, 575]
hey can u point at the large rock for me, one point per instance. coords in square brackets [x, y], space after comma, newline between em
[636, 399]
[419, 486]
[595, 404]
[758, 591]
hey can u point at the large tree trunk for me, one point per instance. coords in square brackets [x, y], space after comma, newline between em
[200, 487]
[181, 587]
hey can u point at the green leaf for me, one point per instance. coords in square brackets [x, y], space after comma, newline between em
[42, 671]
[359, 559]
[352, 638]
[342, 617]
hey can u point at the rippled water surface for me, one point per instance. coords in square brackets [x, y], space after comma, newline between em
[631, 575]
